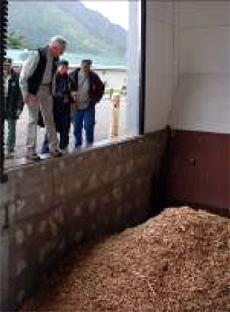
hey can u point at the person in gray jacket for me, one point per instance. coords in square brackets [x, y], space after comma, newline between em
[36, 79]
[13, 104]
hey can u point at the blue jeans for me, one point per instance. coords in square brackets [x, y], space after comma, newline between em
[84, 117]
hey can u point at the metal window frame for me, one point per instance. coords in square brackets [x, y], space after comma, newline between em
[142, 81]
[3, 37]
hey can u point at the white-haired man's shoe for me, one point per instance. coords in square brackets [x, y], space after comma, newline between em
[33, 157]
[56, 153]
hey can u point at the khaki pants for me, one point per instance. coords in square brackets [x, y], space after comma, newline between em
[44, 102]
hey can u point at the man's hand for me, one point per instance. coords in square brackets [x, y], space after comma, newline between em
[29, 99]
[18, 113]
[74, 95]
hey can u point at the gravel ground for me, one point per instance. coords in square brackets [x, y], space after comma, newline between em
[175, 262]
[101, 128]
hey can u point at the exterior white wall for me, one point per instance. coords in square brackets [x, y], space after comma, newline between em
[113, 78]
[159, 64]
[201, 99]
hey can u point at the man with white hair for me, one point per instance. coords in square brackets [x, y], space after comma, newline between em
[36, 82]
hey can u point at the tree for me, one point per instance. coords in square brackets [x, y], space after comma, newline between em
[15, 41]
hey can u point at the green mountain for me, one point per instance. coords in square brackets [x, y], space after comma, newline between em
[86, 30]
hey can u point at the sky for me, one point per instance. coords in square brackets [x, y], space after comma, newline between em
[115, 11]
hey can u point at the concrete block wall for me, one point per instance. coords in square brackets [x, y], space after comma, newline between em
[48, 207]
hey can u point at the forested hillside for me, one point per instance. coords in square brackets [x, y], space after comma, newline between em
[86, 30]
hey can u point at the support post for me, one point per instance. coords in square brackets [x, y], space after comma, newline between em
[3, 37]
[114, 116]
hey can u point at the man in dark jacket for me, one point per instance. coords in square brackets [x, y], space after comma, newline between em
[13, 104]
[89, 89]
[61, 109]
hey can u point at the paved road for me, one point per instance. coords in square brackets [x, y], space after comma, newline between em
[101, 128]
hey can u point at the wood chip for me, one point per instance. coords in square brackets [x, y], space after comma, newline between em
[175, 262]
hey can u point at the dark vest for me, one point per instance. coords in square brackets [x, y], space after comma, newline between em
[35, 80]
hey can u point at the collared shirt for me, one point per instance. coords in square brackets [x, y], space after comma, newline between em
[83, 90]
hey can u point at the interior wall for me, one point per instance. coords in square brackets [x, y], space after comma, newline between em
[201, 98]
[199, 149]
[187, 66]
[159, 64]
[133, 68]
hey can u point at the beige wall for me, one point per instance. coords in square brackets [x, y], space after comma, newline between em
[159, 62]
[187, 66]
[201, 99]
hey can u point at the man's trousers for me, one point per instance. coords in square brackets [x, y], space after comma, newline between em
[44, 102]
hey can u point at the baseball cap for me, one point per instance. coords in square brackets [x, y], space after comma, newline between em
[86, 63]
[63, 63]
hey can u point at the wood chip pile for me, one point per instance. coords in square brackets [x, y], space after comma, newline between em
[175, 262]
